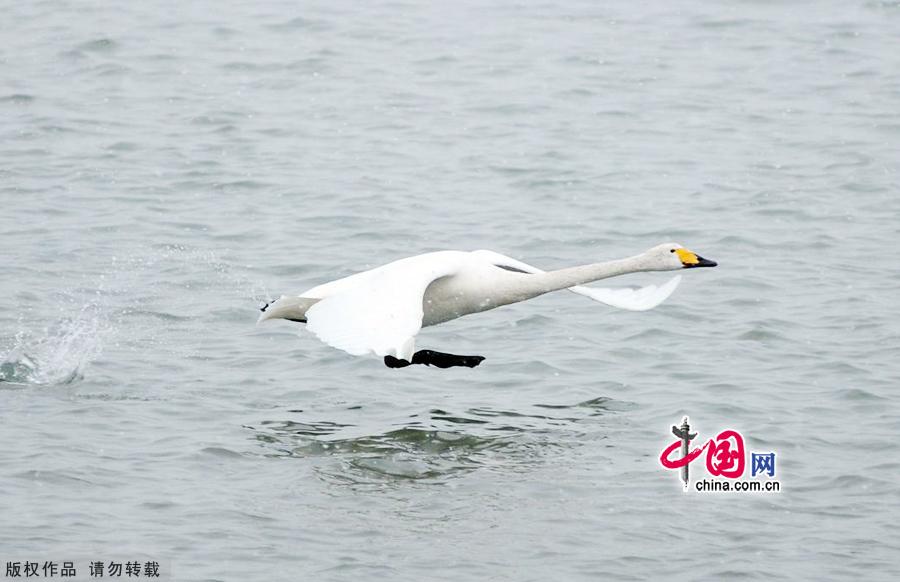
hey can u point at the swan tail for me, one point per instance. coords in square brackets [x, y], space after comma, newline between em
[285, 307]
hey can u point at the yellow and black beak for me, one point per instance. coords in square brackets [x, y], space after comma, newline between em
[690, 260]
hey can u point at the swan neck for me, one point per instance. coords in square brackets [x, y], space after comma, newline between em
[581, 275]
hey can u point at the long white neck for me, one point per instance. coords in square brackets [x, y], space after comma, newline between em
[528, 286]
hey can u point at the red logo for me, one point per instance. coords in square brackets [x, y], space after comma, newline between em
[724, 457]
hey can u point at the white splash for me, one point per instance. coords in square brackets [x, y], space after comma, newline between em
[120, 308]
[58, 355]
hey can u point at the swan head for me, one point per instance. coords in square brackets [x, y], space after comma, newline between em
[672, 256]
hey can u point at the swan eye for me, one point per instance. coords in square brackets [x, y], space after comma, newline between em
[672, 251]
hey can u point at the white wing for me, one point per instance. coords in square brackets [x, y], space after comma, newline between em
[382, 312]
[630, 298]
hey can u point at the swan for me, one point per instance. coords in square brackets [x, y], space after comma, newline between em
[380, 311]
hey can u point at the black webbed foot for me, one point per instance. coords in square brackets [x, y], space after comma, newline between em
[392, 362]
[433, 358]
[442, 360]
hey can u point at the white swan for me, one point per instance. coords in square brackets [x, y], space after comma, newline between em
[380, 311]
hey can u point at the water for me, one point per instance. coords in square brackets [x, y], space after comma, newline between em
[169, 165]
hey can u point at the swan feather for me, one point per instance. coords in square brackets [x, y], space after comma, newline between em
[380, 313]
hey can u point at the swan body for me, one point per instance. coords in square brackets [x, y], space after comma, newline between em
[380, 311]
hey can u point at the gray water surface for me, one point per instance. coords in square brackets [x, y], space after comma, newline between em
[165, 166]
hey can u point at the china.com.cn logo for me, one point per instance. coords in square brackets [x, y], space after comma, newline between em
[726, 459]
